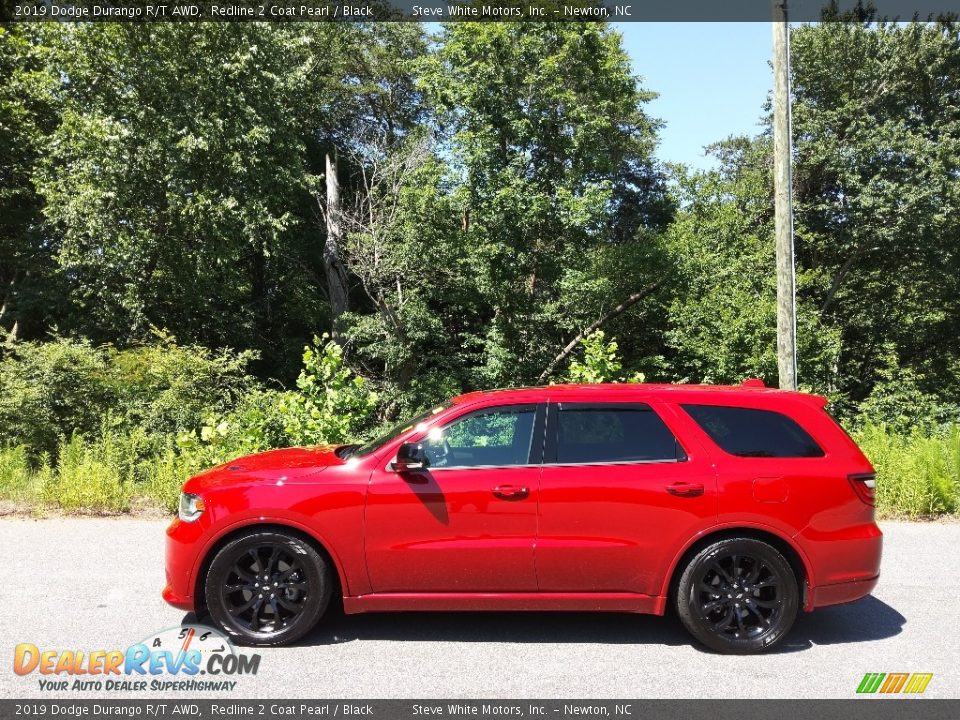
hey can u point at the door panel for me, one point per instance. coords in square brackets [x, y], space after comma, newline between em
[614, 526]
[465, 524]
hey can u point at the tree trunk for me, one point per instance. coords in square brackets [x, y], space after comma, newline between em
[260, 294]
[5, 310]
[333, 267]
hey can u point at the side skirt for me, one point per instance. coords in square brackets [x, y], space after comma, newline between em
[472, 602]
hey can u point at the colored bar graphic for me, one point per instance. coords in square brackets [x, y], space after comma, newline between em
[870, 682]
[892, 683]
[918, 682]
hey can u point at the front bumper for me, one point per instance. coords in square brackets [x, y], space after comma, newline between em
[182, 549]
[170, 595]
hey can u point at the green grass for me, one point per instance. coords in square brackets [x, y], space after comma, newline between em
[918, 475]
[163, 476]
[91, 476]
[109, 474]
[19, 481]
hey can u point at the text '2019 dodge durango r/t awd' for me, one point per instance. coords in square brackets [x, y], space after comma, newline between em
[738, 506]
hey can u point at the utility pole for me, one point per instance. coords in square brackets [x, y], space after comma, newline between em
[783, 201]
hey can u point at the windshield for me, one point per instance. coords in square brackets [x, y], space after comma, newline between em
[395, 431]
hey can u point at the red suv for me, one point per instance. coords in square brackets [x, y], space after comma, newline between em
[737, 506]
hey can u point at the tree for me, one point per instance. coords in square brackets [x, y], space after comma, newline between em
[723, 306]
[29, 283]
[368, 93]
[550, 143]
[878, 190]
[176, 181]
[404, 247]
[373, 230]
[878, 185]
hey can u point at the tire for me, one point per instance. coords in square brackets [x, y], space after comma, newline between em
[738, 596]
[295, 596]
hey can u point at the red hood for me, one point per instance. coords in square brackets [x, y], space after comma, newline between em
[288, 459]
[282, 464]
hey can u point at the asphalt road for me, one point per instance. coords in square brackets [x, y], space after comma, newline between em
[94, 584]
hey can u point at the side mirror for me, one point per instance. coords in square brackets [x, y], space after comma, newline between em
[410, 457]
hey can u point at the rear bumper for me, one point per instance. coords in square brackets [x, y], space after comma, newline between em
[844, 563]
[826, 595]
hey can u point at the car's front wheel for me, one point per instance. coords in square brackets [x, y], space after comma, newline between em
[738, 595]
[267, 588]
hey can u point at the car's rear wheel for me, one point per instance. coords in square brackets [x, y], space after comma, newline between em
[267, 588]
[738, 595]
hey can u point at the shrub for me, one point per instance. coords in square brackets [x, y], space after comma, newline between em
[600, 362]
[333, 405]
[66, 387]
[94, 475]
[257, 423]
[97, 428]
[166, 388]
[52, 388]
[164, 474]
[18, 480]
[898, 403]
[917, 474]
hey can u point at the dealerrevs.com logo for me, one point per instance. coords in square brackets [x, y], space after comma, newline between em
[186, 658]
[892, 683]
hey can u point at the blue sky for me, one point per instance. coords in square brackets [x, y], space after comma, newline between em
[713, 79]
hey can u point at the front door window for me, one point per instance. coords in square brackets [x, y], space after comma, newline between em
[487, 438]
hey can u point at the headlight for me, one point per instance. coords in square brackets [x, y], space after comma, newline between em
[191, 507]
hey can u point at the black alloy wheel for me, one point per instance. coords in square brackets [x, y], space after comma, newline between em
[738, 596]
[267, 588]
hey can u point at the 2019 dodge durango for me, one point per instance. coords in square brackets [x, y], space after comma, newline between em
[737, 506]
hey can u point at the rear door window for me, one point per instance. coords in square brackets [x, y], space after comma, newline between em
[749, 432]
[613, 434]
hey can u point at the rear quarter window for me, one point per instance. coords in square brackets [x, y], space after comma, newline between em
[748, 432]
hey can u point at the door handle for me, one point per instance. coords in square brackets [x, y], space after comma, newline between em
[511, 492]
[685, 489]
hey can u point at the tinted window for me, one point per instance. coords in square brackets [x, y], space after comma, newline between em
[596, 434]
[487, 437]
[754, 433]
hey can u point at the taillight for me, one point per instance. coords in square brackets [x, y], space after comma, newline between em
[865, 486]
